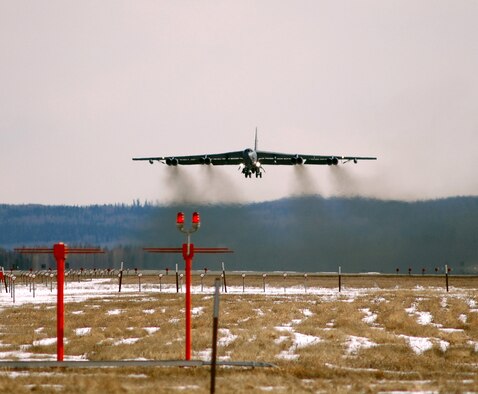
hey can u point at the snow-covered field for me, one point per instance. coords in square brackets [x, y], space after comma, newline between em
[395, 339]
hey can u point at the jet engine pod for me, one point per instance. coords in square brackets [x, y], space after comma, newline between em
[332, 161]
[205, 160]
[172, 161]
[296, 160]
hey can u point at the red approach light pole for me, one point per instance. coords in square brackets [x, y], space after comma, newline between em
[60, 250]
[188, 251]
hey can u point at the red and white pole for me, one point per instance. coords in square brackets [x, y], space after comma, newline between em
[59, 251]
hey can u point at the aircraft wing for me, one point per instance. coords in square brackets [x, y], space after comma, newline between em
[276, 158]
[217, 159]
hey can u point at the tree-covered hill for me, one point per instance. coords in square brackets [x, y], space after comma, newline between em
[303, 234]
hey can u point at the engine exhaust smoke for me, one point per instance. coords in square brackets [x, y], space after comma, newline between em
[304, 183]
[203, 185]
[343, 183]
[220, 186]
[180, 186]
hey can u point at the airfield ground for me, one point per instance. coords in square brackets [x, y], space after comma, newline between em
[379, 334]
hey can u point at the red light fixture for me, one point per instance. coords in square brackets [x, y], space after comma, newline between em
[196, 221]
[180, 218]
[196, 218]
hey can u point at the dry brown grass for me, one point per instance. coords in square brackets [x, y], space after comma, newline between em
[327, 365]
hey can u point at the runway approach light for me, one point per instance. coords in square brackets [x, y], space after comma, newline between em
[196, 221]
[180, 221]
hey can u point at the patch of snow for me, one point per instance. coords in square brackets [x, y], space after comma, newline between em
[474, 344]
[44, 342]
[187, 387]
[354, 344]
[281, 339]
[443, 345]
[369, 316]
[307, 312]
[105, 288]
[303, 340]
[199, 310]
[151, 330]
[113, 312]
[420, 344]
[26, 356]
[77, 312]
[126, 341]
[82, 331]
[299, 341]
[56, 387]
[424, 318]
[227, 337]
[39, 330]
[27, 374]
[444, 302]
[149, 311]
[204, 355]
[174, 320]
[284, 328]
[259, 312]
[463, 318]
[450, 330]
[412, 310]
[471, 303]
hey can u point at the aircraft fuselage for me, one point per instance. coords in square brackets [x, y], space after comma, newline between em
[251, 164]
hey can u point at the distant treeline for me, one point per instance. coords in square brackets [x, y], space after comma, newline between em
[298, 234]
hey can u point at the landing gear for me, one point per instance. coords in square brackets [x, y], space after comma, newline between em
[248, 172]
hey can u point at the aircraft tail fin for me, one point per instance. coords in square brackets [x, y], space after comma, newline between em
[255, 141]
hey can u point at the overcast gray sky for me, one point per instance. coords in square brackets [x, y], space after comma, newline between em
[87, 85]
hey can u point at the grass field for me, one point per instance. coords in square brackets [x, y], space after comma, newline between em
[379, 334]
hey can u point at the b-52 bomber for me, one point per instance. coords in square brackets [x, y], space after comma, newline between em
[251, 161]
